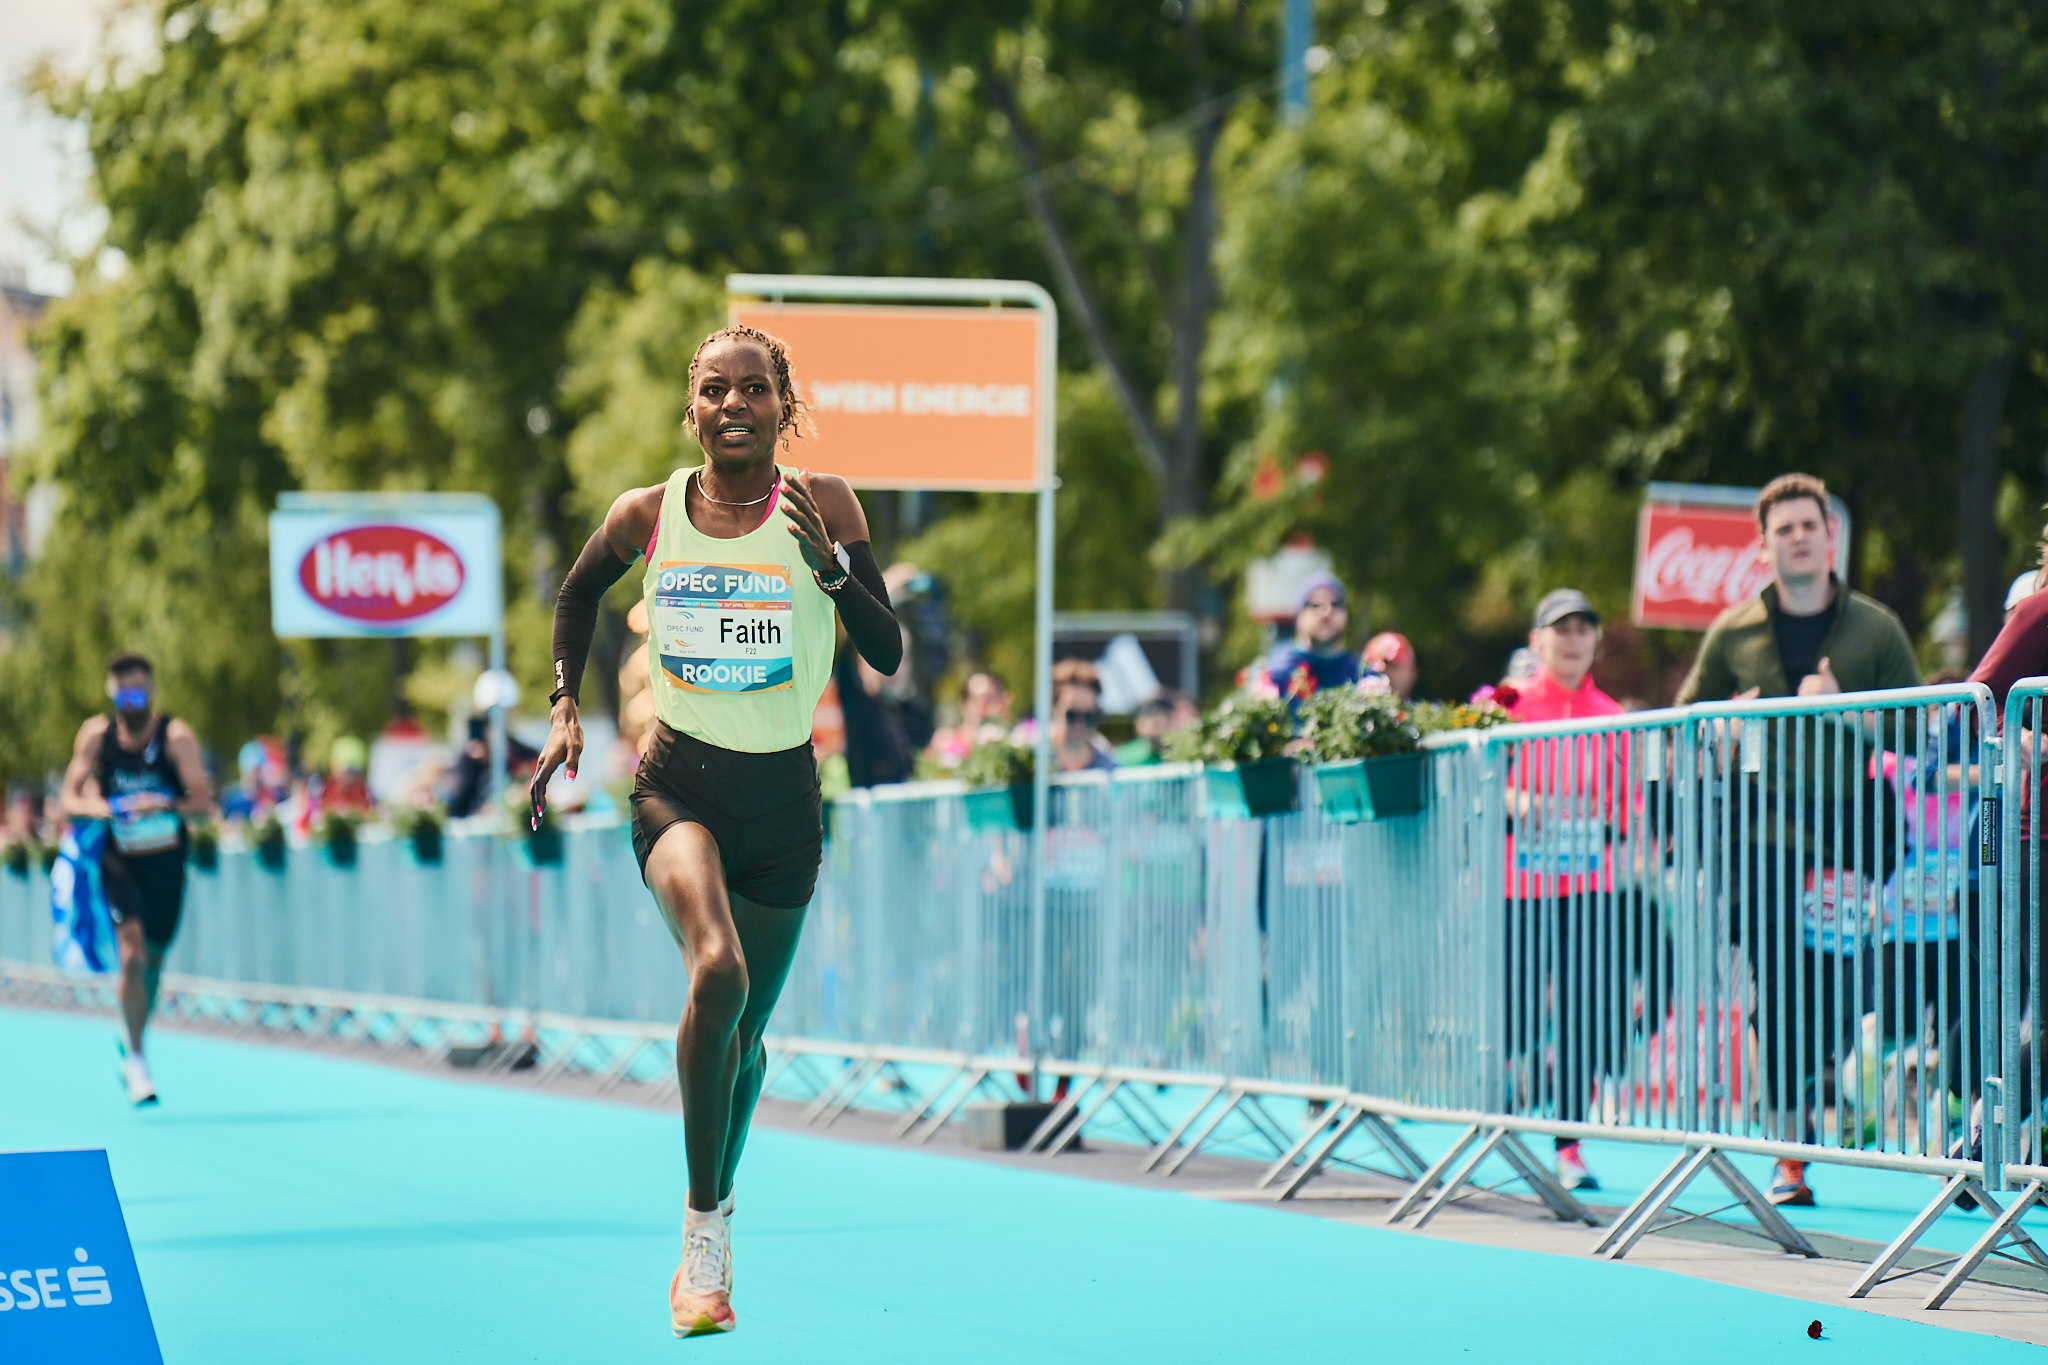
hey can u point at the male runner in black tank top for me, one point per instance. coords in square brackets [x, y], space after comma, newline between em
[140, 771]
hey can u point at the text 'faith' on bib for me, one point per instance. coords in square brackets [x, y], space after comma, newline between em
[725, 627]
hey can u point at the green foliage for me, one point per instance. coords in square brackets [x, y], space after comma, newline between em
[15, 855]
[997, 763]
[1443, 717]
[1516, 262]
[1349, 722]
[1241, 729]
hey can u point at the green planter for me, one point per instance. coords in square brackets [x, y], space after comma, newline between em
[426, 843]
[1249, 791]
[270, 855]
[1373, 788]
[999, 808]
[339, 853]
[206, 854]
[544, 846]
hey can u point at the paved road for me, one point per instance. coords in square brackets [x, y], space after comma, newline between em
[294, 1207]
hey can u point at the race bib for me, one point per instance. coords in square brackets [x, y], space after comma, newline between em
[725, 627]
[1837, 908]
[1562, 848]
[137, 831]
[1923, 898]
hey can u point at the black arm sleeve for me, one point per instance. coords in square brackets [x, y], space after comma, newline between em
[864, 606]
[596, 569]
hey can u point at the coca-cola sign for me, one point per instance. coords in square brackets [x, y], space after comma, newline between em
[1696, 557]
[381, 574]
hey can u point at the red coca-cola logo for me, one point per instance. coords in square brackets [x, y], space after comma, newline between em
[1680, 567]
[381, 574]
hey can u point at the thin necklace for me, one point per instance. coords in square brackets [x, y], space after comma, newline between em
[750, 502]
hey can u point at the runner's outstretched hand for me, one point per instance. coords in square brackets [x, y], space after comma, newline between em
[563, 749]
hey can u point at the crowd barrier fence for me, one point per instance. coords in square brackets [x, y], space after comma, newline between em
[1798, 928]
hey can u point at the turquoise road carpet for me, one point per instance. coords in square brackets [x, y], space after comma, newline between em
[288, 1207]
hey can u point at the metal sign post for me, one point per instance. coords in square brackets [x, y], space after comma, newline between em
[875, 396]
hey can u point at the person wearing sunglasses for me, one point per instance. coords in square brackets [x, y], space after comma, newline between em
[142, 774]
[1076, 712]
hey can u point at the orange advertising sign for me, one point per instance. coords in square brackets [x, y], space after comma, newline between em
[915, 397]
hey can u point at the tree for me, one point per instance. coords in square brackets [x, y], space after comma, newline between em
[1813, 238]
[1115, 116]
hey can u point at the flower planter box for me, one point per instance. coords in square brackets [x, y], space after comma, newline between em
[271, 857]
[339, 853]
[1249, 791]
[999, 808]
[1373, 788]
[544, 847]
[426, 844]
[205, 855]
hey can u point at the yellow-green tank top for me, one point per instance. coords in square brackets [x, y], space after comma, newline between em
[740, 635]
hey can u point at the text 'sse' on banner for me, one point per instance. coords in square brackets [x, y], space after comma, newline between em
[69, 1289]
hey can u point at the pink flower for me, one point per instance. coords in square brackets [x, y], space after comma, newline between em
[1376, 685]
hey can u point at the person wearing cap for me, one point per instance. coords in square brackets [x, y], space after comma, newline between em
[1568, 794]
[1389, 655]
[1316, 658]
[1805, 634]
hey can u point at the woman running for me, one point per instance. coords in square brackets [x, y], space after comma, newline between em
[740, 607]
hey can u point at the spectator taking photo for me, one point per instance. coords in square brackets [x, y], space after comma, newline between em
[1316, 658]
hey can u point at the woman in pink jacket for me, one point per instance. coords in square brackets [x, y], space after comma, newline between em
[1568, 796]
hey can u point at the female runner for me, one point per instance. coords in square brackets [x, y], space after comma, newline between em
[740, 605]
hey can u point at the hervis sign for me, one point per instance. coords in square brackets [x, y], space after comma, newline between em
[412, 564]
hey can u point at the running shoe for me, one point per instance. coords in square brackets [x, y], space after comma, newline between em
[699, 1299]
[1571, 1169]
[1790, 1189]
[725, 1207]
[141, 1089]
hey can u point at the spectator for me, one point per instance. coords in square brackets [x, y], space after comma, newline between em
[1156, 719]
[1568, 794]
[984, 715]
[1805, 634]
[1316, 658]
[250, 799]
[472, 774]
[1076, 711]
[2022, 588]
[345, 789]
[2020, 651]
[1390, 656]
[886, 726]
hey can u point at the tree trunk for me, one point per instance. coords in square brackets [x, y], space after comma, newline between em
[1983, 553]
[1183, 489]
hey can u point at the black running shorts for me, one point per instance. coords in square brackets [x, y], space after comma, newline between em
[760, 809]
[149, 887]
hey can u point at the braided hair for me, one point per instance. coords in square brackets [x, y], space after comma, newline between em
[796, 414]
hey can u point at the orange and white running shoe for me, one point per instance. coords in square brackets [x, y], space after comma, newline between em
[700, 1294]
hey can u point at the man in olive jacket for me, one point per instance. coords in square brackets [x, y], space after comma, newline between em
[1806, 625]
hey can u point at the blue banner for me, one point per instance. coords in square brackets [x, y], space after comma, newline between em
[69, 1289]
[82, 927]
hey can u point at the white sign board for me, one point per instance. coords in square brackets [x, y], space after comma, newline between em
[385, 564]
